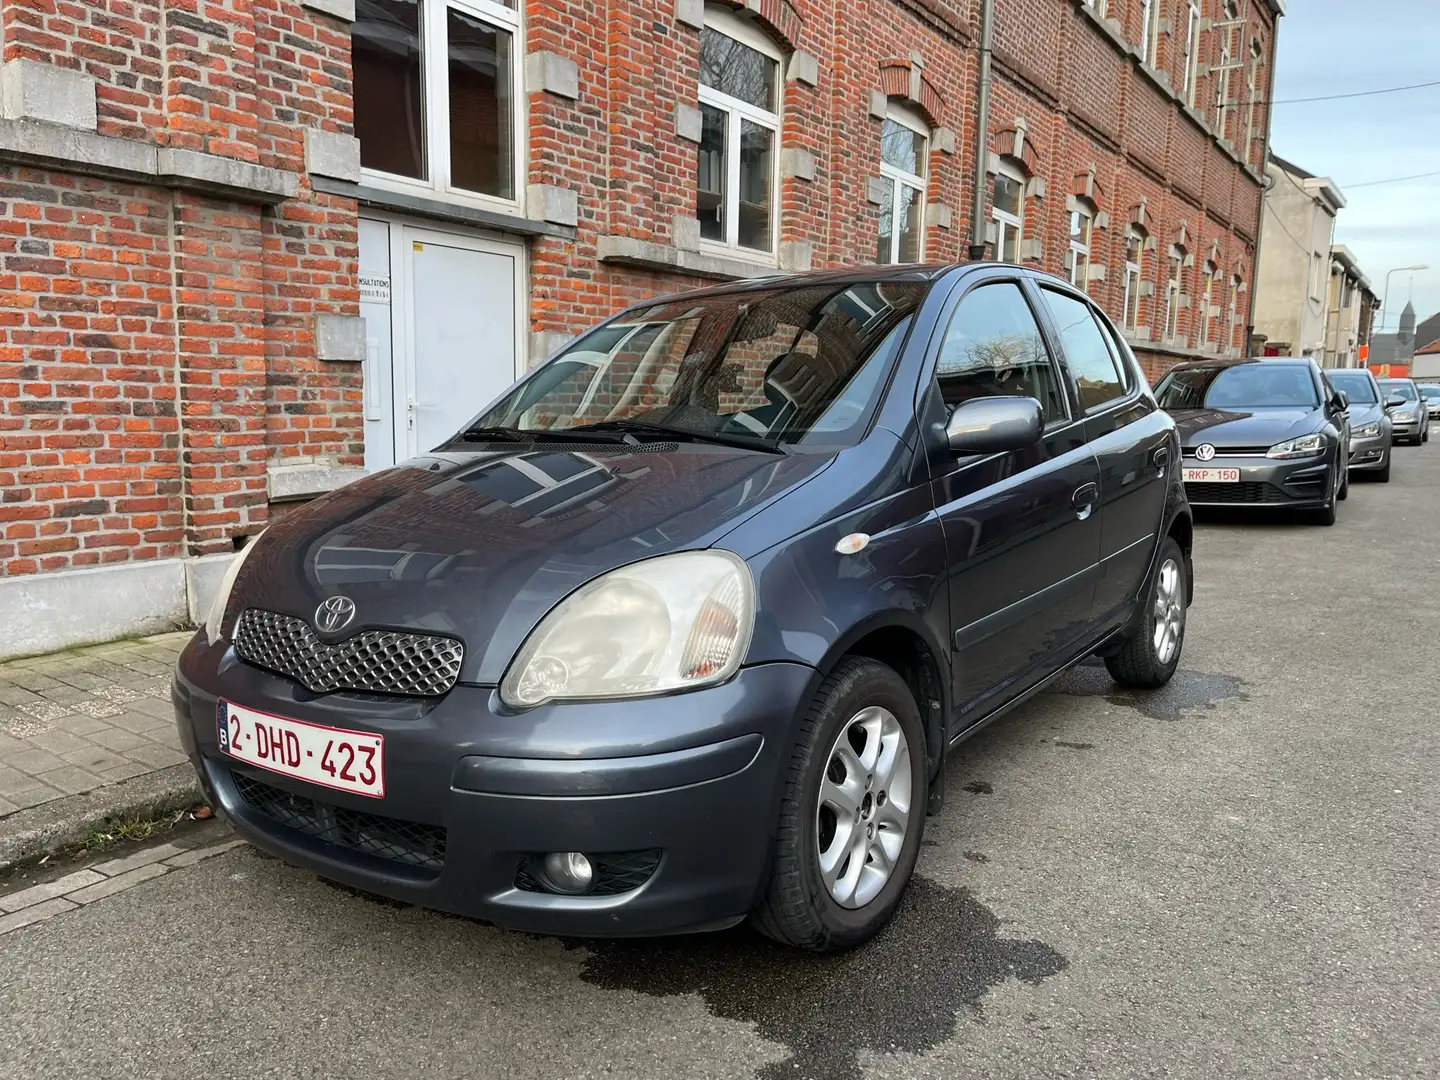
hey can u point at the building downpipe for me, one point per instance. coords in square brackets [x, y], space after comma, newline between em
[1264, 188]
[982, 128]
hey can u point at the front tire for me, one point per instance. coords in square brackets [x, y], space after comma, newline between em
[1383, 476]
[1344, 492]
[1151, 656]
[851, 815]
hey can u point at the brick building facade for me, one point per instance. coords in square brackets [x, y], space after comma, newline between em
[248, 250]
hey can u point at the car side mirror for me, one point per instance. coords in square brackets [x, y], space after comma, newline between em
[994, 425]
[1342, 400]
[1394, 402]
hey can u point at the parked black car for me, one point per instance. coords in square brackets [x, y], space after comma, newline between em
[1271, 434]
[1370, 437]
[682, 632]
[1409, 412]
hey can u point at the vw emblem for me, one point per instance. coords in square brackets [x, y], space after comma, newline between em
[334, 614]
[1203, 452]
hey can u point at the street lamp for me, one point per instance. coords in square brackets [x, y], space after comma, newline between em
[1385, 303]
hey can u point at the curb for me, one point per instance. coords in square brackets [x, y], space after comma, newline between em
[28, 834]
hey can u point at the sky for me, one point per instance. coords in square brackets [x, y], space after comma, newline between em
[1339, 47]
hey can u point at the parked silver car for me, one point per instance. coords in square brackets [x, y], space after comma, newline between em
[1409, 416]
[1431, 393]
[1370, 425]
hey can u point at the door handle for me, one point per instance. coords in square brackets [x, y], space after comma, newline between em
[1084, 500]
[1161, 457]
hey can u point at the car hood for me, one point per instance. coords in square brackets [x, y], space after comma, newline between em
[1360, 415]
[481, 545]
[1226, 428]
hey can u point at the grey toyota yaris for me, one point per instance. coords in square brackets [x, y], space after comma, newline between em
[681, 629]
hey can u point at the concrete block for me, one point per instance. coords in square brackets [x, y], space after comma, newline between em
[797, 255]
[875, 188]
[48, 612]
[211, 172]
[685, 232]
[30, 90]
[798, 162]
[549, 203]
[344, 10]
[552, 73]
[879, 105]
[939, 214]
[340, 337]
[944, 140]
[1032, 250]
[689, 124]
[308, 479]
[992, 163]
[628, 251]
[1035, 187]
[803, 68]
[82, 151]
[203, 575]
[690, 13]
[1097, 271]
[329, 153]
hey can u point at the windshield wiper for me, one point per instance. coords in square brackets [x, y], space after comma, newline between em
[508, 434]
[641, 427]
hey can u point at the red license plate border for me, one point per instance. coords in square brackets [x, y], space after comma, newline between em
[222, 741]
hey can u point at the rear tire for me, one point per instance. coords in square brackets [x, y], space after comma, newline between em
[861, 700]
[1150, 657]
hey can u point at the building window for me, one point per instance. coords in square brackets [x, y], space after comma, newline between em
[1172, 293]
[1233, 316]
[450, 127]
[1207, 297]
[1077, 256]
[1149, 32]
[1192, 50]
[1134, 275]
[1317, 275]
[1252, 84]
[1008, 212]
[904, 157]
[740, 123]
[1222, 82]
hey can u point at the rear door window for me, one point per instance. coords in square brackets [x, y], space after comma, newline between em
[1093, 365]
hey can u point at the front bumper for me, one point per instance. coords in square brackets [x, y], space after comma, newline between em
[1264, 482]
[682, 792]
[1369, 453]
[1406, 428]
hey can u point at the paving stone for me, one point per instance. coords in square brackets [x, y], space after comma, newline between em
[7, 807]
[117, 694]
[58, 742]
[160, 708]
[9, 745]
[118, 740]
[14, 694]
[156, 756]
[79, 724]
[116, 867]
[62, 694]
[124, 771]
[35, 761]
[100, 709]
[34, 914]
[141, 723]
[13, 781]
[189, 858]
[82, 679]
[39, 893]
[33, 796]
[117, 884]
[45, 711]
[96, 759]
[71, 780]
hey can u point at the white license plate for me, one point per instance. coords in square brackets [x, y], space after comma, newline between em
[331, 757]
[1212, 476]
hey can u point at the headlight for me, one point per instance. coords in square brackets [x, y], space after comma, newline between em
[1367, 431]
[1304, 446]
[216, 617]
[676, 622]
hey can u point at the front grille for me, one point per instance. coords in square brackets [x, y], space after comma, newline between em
[1244, 492]
[407, 842]
[615, 872]
[373, 661]
[1233, 451]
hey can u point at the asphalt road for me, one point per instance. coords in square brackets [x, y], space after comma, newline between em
[1236, 877]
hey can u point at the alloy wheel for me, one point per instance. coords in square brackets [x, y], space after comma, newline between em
[864, 807]
[1169, 611]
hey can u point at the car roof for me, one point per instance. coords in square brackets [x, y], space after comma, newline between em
[1222, 362]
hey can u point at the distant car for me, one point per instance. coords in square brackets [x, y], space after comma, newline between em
[1271, 434]
[1409, 417]
[1431, 393]
[1369, 423]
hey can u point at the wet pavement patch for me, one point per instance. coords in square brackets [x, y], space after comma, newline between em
[975, 856]
[980, 787]
[1186, 690]
[903, 992]
[1075, 745]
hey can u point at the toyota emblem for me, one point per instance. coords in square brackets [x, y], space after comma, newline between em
[334, 614]
[1203, 452]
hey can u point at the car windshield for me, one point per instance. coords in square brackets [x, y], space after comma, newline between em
[1243, 386]
[1430, 393]
[1356, 384]
[781, 365]
[1399, 388]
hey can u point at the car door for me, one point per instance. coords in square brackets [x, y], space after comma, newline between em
[1022, 537]
[1132, 439]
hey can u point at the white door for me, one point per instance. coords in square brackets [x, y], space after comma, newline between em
[463, 314]
[379, 373]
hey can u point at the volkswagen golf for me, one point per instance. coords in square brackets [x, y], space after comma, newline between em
[680, 630]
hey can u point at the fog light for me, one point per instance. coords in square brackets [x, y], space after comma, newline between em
[567, 872]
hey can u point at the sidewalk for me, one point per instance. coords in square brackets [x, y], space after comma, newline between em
[95, 720]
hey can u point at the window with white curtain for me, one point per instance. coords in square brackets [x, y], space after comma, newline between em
[1134, 275]
[1008, 212]
[904, 160]
[1077, 254]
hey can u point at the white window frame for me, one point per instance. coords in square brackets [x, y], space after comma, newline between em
[1004, 219]
[911, 119]
[1192, 51]
[1252, 82]
[735, 110]
[1207, 297]
[1076, 253]
[1149, 32]
[1134, 275]
[1174, 278]
[1222, 84]
[435, 85]
[1234, 314]
[1317, 276]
